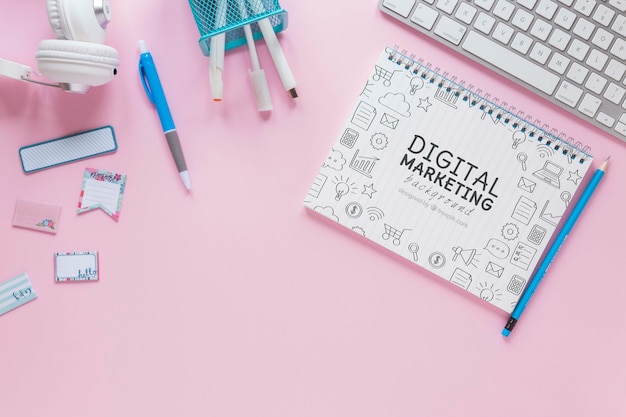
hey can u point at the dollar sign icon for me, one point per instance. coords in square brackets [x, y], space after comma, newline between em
[354, 210]
[436, 260]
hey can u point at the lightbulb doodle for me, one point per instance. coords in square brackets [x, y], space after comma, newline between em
[343, 187]
[519, 137]
[488, 292]
[416, 83]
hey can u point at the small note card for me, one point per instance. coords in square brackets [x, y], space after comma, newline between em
[76, 266]
[36, 216]
[15, 292]
[102, 190]
[71, 148]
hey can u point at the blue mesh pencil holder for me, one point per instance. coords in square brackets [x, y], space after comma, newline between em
[230, 16]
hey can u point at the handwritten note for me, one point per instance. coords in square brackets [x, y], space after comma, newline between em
[15, 292]
[102, 190]
[76, 266]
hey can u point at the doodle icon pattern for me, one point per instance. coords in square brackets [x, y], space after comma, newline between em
[413, 169]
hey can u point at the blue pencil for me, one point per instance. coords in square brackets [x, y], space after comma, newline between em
[556, 245]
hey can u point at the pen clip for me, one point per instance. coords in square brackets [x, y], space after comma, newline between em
[144, 81]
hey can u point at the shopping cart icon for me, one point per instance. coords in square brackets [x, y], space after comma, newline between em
[392, 232]
[380, 72]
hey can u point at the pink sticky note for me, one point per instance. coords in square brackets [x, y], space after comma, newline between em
[36, 216]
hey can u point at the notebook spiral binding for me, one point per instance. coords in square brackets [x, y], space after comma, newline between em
[575, 150]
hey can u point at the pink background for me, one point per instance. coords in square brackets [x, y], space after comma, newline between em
[233, 300]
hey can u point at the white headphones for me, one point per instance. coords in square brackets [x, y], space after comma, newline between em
[77, 59]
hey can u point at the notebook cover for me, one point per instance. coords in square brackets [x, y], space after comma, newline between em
[448, 179]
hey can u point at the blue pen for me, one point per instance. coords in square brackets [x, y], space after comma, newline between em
[556, 245]
[154, 90]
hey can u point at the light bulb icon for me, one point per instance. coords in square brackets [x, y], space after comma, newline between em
[518, 138]
[416, 84]
[341, 189]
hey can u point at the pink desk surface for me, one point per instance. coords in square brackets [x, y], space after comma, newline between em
[233, 300]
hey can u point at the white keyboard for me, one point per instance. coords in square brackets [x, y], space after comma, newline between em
[571, 52]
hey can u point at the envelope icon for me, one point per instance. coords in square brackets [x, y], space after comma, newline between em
[526, 184]
[494, 269]
[389, 121]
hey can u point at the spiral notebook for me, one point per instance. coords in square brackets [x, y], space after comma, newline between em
[446, 177]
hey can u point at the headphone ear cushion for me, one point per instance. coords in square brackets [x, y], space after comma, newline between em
[76, 62]
[75, 20]
[54, 17]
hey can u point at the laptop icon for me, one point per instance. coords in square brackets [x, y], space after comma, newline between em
[550, 174]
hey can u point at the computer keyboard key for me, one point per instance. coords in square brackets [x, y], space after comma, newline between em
[605, 119]
[596, 83]
[510, 62]
[619, 49]
[446, 5]
[585, 6]
[569, 94]
[402, 7]
[484, 23]
[614, 93]
[584, 28]
[465, 13]
[603, 15]
[547, 8]
[619, 26]
[450, 30]
[619, 4]
[424, 16]
[589, 105]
